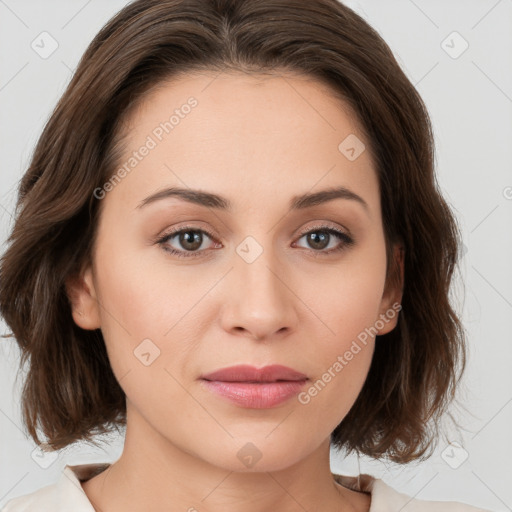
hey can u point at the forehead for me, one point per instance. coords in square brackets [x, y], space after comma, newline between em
[260, 100]
[244, 134]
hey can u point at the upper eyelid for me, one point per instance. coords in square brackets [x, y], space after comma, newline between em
[324, 225]
[319, 226]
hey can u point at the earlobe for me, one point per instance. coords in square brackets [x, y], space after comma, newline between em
[82, 297]
[392, 298]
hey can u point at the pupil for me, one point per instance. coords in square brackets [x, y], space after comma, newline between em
[195, 239]
[318, 239]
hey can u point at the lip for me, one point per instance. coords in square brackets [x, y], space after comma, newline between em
[247, 373]
[255, 388]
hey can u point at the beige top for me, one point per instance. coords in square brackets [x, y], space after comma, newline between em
[67, 494]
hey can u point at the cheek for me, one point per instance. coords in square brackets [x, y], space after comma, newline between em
[143, 297]
[347, 297]
[149, 309]
[342, 359]
[345, 336]
[142, 316]
[347, 307]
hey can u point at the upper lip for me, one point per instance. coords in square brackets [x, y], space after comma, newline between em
[247, 373]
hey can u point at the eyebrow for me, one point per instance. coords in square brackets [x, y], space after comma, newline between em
[217, 202]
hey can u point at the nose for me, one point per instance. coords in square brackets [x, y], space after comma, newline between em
[259, 299]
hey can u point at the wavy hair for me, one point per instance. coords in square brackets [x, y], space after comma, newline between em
[70, 392]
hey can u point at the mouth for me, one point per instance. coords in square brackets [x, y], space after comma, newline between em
[250, 387]
[251, 374]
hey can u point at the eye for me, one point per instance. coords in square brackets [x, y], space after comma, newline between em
[189, 238]
[321, 237]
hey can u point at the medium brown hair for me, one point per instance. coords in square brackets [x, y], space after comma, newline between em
[70, 392]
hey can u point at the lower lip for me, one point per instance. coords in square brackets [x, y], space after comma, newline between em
[256, 395]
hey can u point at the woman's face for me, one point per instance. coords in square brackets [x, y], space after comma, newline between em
[247, 284]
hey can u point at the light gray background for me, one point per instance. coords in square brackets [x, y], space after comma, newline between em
[470, 101]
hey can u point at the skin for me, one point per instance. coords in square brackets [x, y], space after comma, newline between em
[258, 141]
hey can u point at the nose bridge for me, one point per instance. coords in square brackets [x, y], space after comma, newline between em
[258, 267]
[260, 302]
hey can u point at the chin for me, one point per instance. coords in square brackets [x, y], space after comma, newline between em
[256, 454]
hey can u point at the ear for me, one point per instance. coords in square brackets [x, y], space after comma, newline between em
[82, 297]
[392, 297]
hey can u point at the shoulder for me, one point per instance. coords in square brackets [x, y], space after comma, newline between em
[67, 494]
[386, 499]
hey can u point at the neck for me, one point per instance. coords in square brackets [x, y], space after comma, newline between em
[153, 474]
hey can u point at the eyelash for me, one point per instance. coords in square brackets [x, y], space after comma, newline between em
[348, 241]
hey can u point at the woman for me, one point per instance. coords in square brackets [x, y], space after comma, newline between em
[233, 223]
